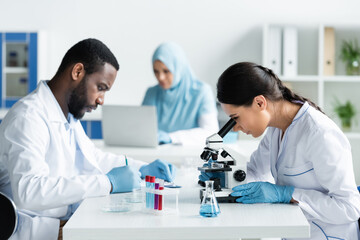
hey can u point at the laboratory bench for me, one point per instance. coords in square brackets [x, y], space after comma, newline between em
[176, 154]
[235, 221]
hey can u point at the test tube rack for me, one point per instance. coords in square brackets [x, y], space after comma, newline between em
[169, 201]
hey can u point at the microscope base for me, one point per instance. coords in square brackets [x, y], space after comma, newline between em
[222, 196]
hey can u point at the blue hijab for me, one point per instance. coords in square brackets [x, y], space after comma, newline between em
[180, 106]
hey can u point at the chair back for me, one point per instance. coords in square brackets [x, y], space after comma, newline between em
[8, 217]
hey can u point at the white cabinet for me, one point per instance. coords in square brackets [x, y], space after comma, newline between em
[310, 80]
[18, 65]
[315, 83]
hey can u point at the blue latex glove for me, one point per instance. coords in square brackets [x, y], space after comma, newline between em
[204, 176]
[262, 192]
[159, 169]
[163, 137]
[124, 179]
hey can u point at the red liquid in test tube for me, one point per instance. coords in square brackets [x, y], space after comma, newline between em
[161, 187]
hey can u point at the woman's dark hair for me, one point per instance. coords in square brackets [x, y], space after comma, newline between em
[92, 53]
[241, 82]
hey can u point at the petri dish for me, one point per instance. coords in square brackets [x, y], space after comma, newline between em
[117, 208]
[137, 196]
[116, 203]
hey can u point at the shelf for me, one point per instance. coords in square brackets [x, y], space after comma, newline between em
[315, 78]
[300, 78]
[352, 135]
[317, 46]
[344, 78]
[18, 70]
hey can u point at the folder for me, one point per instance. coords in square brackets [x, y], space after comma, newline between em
[290, 51]
[329, 51]
[274, 49]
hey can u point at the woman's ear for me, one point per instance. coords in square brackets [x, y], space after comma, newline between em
[260, 102]
[78, 72]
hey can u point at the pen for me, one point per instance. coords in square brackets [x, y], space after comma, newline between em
[126, 160]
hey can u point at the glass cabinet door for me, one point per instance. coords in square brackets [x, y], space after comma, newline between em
[18, 66]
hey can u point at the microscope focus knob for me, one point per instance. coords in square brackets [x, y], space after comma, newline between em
[239, 175]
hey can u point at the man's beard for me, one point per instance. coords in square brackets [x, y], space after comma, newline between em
[78, 100]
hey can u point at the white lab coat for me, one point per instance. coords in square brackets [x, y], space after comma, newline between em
[314, 156]
[37, 165]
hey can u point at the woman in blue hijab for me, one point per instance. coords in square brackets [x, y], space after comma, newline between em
[186, 108]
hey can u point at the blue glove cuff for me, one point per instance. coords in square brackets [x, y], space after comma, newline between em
[287, 194]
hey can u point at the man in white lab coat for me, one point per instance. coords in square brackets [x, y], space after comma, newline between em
[47, 163]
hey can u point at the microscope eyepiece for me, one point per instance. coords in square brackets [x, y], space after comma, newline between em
[227, 127]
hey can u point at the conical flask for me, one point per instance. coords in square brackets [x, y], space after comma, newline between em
[209, 205]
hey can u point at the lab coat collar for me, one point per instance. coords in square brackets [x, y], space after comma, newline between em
[282, 144]
[51, 104]
[56, 115]
[71, 122]
[301, 112]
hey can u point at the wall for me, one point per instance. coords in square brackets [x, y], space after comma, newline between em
[214, 34]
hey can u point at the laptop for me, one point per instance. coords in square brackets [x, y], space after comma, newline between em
[129, 126]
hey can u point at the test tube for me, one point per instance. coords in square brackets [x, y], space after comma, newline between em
[152, 186]
[161, 187]
[156, 203]
[147, 184]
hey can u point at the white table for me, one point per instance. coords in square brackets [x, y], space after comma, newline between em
[235, 221]
[175, 154]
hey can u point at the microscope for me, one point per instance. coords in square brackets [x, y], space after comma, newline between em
[230, 165]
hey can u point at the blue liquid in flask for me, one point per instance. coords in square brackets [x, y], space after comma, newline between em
[209, 211]
[209, 205]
